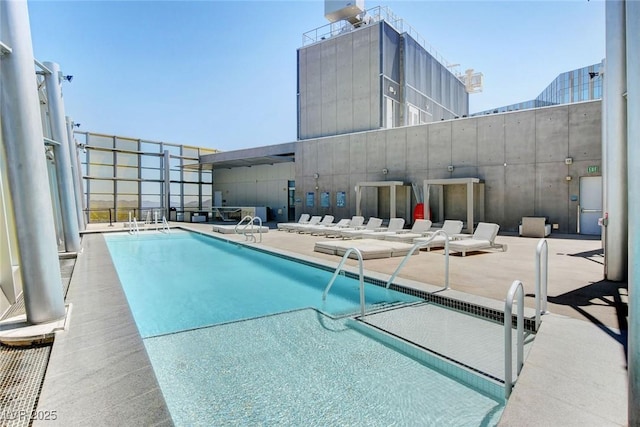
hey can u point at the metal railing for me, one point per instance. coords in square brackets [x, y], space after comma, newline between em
[376, 14]
[165, 225]
[361, 275]
[542, 277]
[422, 245]
[133, 225]
[516, 288]
[248, 227]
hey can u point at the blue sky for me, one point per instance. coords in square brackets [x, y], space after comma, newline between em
[222, 74]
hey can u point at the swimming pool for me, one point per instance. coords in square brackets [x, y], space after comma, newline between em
[185, 281]
[286, 364]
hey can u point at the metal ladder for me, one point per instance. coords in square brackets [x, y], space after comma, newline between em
[421, 245]
[516, 290]
[337, 272]
[133, 225]
[248, 227]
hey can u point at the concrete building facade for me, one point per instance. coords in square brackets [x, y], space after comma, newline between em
[531, 163]
[370, 77]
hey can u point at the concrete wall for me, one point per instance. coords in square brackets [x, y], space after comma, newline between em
[260, 185]
[519, 155]
[339, 84]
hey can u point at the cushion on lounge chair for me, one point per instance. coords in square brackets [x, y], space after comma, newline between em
[482, 238]
[372, 225]
[304, 218]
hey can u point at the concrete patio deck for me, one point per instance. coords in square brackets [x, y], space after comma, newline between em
[575, 373]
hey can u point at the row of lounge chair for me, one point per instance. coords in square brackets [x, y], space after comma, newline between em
[421, 232]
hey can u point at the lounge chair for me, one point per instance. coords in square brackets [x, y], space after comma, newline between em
[327, 221]
[419, 229]
[314, 220]
[396, 225]
[450, 226]
[304, 219]
[334, 231]
[372, 225]
[483, 238]
[340, 225]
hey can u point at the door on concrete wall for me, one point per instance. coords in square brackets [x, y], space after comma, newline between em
[291, 211]
[217, 198]
[590, 205]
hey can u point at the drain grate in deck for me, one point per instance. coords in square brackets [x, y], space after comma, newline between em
[21, 373]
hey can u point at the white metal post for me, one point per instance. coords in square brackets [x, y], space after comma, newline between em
[633, 159]
[27, 175]
[76, 173]
[616, 141]
[66, 191]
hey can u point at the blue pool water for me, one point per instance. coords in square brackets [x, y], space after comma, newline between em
[185, 280]
[287, 364]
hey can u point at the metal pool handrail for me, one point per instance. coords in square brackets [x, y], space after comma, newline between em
[424, 244]
[542, 277]
[250, 222]
[165, 225]
[516, 287]
[335, 275]
[133, 225]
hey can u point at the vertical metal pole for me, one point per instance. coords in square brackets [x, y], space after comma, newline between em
[66, 191]
[633, 159]
[75, 173]
[470, 214]
[616, 141]
[167, 183]
[27, 176]
[603, 131]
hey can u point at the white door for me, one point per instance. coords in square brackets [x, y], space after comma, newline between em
[590, 205]
[217, 198]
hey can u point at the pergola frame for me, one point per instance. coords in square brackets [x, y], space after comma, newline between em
[469, 182]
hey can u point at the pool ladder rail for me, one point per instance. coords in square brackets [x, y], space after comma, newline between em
[423, 245]
[246, 226]
[517, 291]
[360, 273]
[133, 225]
[163, 226]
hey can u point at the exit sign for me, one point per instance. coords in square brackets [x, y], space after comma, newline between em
[592, 169]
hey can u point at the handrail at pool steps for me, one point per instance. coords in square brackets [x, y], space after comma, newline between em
[165, 225]
[337, 272]
[421, 245]
[133, 225]
[542, 277]
[516, 288]
[248, 227]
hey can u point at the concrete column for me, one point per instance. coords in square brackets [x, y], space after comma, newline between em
[62, 160]
[605, 204]
[27, 170]
[76, 174]
[392, 201]
[358, 201]
[633, 159]
[470, 206]
[616, 141]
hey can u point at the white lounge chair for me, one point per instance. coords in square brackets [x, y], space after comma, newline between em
[320, 230]
[314, 220]
[334, 231]
[372, 225]
[450, 227]
[327, 221]
[396, 225]
[483, 238]
[419, 229]
[304, 219]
